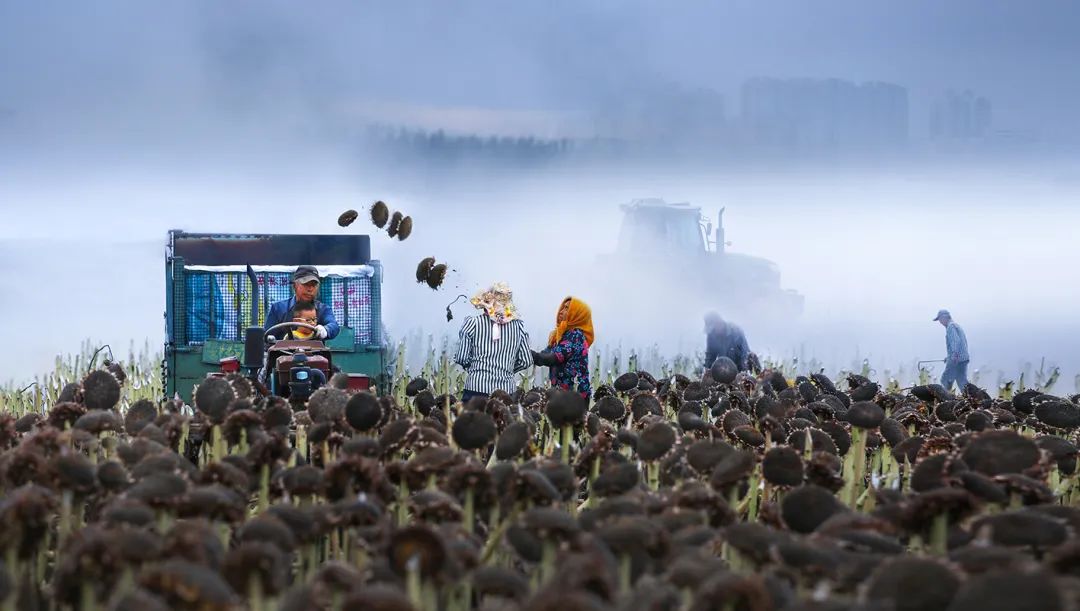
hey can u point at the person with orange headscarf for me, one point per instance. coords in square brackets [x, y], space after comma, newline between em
[567, 354]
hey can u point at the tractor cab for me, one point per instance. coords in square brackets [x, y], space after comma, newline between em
[219, 288]
[679, 245]
[652, 226]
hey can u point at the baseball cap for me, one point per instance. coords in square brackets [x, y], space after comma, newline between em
[305, 274]
[942, 314]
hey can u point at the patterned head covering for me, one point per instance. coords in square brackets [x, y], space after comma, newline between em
[497, 301]
[578, 316]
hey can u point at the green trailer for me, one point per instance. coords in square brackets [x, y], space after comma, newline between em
[217, 286]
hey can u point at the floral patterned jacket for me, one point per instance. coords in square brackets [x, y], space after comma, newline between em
[572, 372]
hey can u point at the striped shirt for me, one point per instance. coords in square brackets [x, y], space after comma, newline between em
[956, 343]
[491, 364]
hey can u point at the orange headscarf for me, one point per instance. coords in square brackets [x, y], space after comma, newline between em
[579, 316]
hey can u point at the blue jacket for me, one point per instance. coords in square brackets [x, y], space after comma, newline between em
[956, 344]
[279, 313]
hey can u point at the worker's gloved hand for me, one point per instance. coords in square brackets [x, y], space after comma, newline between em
[545, 358]
[320, 332]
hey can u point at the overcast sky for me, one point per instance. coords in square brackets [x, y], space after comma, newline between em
[114, 70]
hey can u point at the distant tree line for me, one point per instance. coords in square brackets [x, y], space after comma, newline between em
[440, 147]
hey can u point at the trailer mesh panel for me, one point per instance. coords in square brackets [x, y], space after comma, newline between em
[217, 305]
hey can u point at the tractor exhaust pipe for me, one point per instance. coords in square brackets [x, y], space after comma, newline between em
[254, 339]
[720, 232]
[254, 294]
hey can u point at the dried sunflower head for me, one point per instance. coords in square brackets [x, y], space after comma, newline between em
[363, 411]
[26, 423]
[113, 476]
[196, 541]
[258, 561]
[347, 218]
[808, 506]
[142, 413]
[213, 397]
[436, 276]
[65, 414]
[159, 490]
[117, 370]
[380, 213]
[424, 268]
[889, 584]
[418, 544]
[782, 466]
[99, 421]
[74, 472]
[101, 390]
[269, 529]
[404, 228]
[8, 431]
[395, 225]
[72, 391]
[214, 502]
[186, 585]
[474, 429]
[327, 404]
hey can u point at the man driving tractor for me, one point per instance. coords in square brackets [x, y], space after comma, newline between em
[305, 282]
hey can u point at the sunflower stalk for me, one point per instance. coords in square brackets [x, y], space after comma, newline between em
[41, 558]
[496, 536]
[470, 510]
[547, 560]
[939, 533]
[755, 494]
[255, 594]
[65, 518]
[567, 435]
[652, 470]
[302, 443]
[626, 574]
[733, 497]
[401, 509]
[217, 443]
[594, 472]
[854, 474]
[449, 421]
[126, 582]
[87, 598]
[264, 488]
[412, 582]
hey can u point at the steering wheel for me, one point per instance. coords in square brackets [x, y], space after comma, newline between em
[291, 325]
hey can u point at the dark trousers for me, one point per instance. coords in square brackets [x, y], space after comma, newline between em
[468, 394]
[955, 372]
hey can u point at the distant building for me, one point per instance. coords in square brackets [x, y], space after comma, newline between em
[824, 115]
[961, 116]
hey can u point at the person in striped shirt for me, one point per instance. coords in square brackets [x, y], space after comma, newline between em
[493, 345]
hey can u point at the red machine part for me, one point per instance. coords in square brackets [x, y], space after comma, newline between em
[314, 361]
[229, 364]
[358, 381]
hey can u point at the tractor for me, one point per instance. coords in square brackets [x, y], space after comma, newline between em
[673, 251]
[218, 288]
